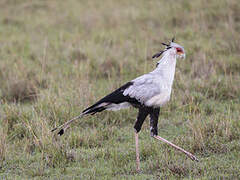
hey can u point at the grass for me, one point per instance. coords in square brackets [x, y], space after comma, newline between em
[58, 57]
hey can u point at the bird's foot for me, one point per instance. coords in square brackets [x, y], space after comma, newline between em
[138, 170]
[192, 157]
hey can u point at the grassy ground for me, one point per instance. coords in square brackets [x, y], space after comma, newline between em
[58, 57]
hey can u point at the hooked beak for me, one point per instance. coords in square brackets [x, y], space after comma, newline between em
[181, 55]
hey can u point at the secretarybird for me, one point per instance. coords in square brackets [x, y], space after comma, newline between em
[147, 93]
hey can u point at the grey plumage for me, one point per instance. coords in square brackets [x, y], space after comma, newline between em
[154, 89]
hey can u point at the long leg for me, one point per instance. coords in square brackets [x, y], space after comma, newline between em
[137, 153]
[191, 156]
[154, 132]
[142, 114]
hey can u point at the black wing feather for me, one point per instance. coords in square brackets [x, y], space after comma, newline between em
[115, 97]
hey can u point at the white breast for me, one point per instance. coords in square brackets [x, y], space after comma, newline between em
[159, 100]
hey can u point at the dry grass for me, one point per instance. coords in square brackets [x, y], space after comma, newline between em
[56, 58]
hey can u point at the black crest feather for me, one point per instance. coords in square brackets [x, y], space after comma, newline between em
[161, 52]
[165, 44]
[157, 54]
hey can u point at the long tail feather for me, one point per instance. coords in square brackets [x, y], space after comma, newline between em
[66, 125]
[91, 110]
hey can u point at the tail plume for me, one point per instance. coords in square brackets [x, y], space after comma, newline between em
[66, 125]
[98, 107]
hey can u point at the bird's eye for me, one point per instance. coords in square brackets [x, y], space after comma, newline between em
[179, 50]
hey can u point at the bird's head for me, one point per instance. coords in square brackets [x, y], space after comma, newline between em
[174, 47]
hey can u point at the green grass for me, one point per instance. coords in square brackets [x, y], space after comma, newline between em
[58, 57]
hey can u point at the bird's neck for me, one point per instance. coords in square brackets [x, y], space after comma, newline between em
[166, 67]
